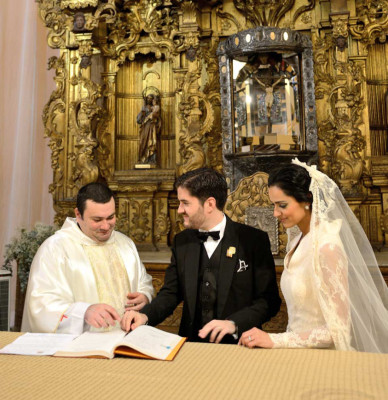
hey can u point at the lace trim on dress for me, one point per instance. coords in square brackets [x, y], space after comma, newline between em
[316, 338]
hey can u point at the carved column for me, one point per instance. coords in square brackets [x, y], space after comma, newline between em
[106, 137]
[190, 140]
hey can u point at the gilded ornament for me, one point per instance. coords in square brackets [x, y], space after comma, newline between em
[303, 11]
[74, 4]
[265, 12]
[372, 21]
[82, 132]
[140, 222]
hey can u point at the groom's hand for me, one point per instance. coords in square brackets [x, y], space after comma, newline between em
[132, 319]
[217, 329]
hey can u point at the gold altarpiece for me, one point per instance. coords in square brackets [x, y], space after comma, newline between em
[123, 50]
[115, 52]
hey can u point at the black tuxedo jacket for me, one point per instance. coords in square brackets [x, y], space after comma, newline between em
[247, 291]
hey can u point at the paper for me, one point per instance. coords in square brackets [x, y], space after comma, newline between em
[145, 339]
[38, 344]
[96, 342]
[152, 341]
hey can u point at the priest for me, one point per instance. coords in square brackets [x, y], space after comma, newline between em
[84, 275]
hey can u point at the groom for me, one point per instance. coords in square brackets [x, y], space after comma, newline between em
[223, 271]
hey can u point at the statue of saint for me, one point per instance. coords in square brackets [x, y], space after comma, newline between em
[150, 127]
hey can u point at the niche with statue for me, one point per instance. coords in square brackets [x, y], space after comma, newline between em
[267, 100]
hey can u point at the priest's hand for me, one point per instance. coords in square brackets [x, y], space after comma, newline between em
[217, 329]
[136, 301]
[132, 319]
[101, 316]
[256, 338]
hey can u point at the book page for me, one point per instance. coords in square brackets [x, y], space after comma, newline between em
[152, 341]
[93, 344]
[38, 344]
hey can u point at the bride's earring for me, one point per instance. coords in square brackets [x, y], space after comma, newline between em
[307, 207]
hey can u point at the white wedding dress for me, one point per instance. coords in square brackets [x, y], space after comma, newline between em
[307, 327]
[333, 287]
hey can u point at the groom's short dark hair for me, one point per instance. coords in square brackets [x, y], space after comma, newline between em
[204, 183]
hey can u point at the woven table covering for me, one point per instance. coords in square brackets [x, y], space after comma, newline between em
[199, 371]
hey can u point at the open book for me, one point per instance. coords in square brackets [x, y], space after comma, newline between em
[143, 342]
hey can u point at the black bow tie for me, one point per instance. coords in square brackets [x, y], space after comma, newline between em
[202, 236]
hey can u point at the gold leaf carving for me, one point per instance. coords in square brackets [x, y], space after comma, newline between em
[140, 222]
[74, 4]
[55, 125]
[56, 21]
[228, 20]
[86, 117]
[265, 12]
[306, 16]
[372, 21]
[252, 191]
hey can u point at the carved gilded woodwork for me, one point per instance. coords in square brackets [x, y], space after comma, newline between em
[264, 13]
[252, 193]
[74, 4]
[372, 21]
[127, 47]
[54, 126]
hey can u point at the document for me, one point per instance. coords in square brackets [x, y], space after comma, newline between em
[143, 342]
[38, 344]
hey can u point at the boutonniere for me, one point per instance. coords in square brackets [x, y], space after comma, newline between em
[230, 252]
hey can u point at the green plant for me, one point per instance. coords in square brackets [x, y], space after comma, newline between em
[23, 248]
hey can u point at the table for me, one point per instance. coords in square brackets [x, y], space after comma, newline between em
[199, 371]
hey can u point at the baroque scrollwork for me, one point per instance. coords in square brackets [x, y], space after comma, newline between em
[303, 10]
[372, 21]
[191, 140]
[91, 130]
[57, 22]
[74, 4]
[228, 21]
[122, 223]
[339, 130]
[212, 91]
[252, 193]
[162, 223]
[140, 223]
[162, 26]
[54, 124]
[85, 118]
[264, 13]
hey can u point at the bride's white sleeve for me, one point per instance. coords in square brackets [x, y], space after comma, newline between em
[330, 281]
[319, 338]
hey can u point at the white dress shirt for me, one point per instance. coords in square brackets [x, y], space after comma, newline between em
[211, 244]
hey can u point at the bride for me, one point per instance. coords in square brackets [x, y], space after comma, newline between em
[335, 294]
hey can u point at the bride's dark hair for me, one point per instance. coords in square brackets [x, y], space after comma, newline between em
[294, 181]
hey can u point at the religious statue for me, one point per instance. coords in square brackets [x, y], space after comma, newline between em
[79, 22]
[150, 127]
[268, 93]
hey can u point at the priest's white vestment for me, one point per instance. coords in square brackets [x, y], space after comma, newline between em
[71, 271]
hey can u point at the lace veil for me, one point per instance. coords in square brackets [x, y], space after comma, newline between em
[351, 290]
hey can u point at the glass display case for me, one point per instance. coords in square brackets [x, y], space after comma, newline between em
[267, 100]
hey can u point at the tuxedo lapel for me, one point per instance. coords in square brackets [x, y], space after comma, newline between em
[227, 264]
[191, 267]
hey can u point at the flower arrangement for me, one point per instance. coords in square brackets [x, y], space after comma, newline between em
[23, 248]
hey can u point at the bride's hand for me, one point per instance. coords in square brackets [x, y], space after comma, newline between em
[255, 338]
